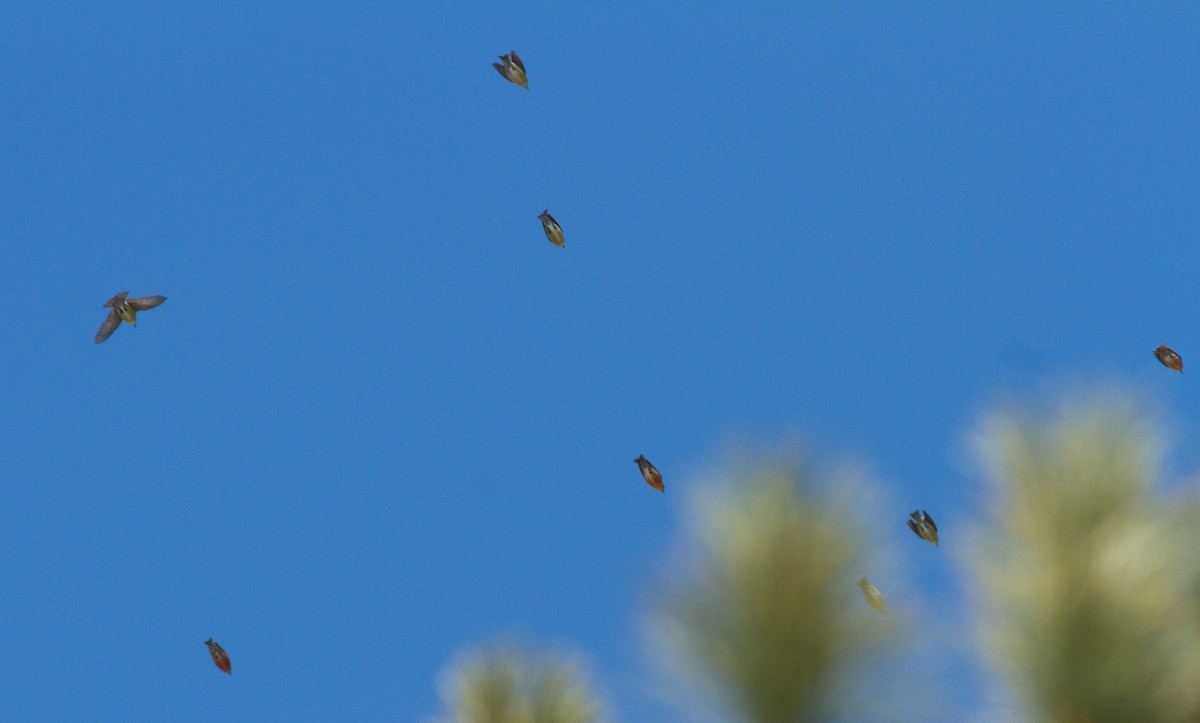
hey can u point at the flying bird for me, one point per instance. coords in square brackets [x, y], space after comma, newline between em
[1169, 358]
[220, 658]
[872, 594]
[649, 473]
[512, 69]
[922, 524]
[124, 310]
[552, 229]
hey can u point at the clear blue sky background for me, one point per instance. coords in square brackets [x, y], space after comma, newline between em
[381, 418]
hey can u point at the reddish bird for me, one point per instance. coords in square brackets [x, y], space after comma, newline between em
[649, 473]
[1169, 358]
[220, 658]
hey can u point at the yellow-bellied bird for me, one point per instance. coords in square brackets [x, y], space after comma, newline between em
[125, 310]
[872, 594]
[1169, 358]
[512, 69]
[552, 229]
[922, 524]
[649, 473]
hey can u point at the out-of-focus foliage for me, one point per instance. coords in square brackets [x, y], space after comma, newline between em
[769, 623]
[510, 686]
[1086, 580]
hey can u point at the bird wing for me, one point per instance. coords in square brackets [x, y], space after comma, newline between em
[109, 303]
[145, 302]
[499, 69]
[517, 60]
[913, 526]
[108, 327]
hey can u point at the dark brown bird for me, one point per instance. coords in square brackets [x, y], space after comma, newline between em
[1169, 358]
[649, 473]
[922, 524]
[124, 310]
[513, 69]
[220, 658]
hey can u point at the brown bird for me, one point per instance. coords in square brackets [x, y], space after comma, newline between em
[922, 524]
[220, 659]
[1169, 358]
[513, 69]
[124, 310]
[649, 473]
[553, 231]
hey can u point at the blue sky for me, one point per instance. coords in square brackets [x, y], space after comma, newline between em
[381, 418]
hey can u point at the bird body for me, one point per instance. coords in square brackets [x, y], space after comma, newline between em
[1169, 358]
[553, 231]
[126, 310]
[219, 656]
[922, 524]
[512, 69]
[872, 594]
[649, 473]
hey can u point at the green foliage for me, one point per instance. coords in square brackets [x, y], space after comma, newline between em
[1086, 581]
[509, 686]
[770, 620]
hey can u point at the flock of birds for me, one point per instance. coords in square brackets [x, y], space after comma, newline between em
[922, 524]
[511, 67]
[925, 528]
[126, 309]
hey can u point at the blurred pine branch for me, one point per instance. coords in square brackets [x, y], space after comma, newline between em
[770, 622]
[1086, 579]
[507, 685]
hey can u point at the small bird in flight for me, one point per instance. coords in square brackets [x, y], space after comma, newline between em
[552, 229]
[872, 594]
[922, 524]
[649, 473]
[1169, 358]
[513, 69]
[220, 658]
[124, 310]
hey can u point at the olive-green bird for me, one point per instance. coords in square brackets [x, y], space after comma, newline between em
[553, 231]
[125, 310]
[512, 69]
[922, 524]
[872, 594]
